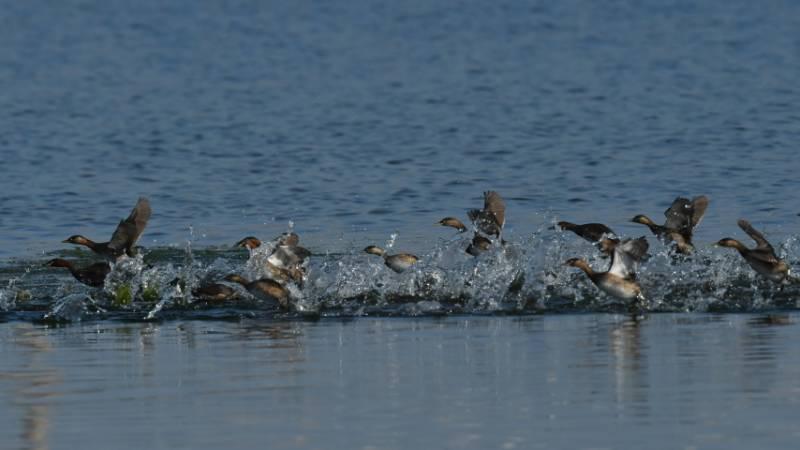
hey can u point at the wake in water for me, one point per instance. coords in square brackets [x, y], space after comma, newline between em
[524, 276]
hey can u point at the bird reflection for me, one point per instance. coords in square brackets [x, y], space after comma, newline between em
[630, 365]
[35, 387]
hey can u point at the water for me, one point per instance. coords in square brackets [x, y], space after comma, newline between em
[683, 381]
[365, 122]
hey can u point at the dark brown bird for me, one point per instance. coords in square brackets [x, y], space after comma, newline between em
[478, 245]
[492, 217]
[124, 237]
[682, 218]
[263, 289]
[94, 275]
[214, 292]
[399, 262]
[592, 232]
[454, 223]
[762, 258]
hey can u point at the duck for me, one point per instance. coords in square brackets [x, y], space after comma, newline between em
[263, 289]
[454, 223]
[286, 254]
[124, 237]
[682, 218]
[214, 292]
[762, 258]
[478, 245]
[491, 218]
[592, 232]
[399, 262]
[295, 274]
[93, 275]
[620, 279]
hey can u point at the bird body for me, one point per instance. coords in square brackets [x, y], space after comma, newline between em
[762, 258]
[125, 235]
[263, 289]
[592, 232]
[399, 262]
[492, 217]
[93, 275]
[682, 217]
[620, 279]
[215, 292]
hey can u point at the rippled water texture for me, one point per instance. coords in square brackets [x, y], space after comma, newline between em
[357, 119]
[576, 381]
[365, 122]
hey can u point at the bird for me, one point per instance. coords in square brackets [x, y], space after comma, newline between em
[124, 237]
[492, 217]
[762, 258]
[93, 275]
[286, 254]
[454, 223]
[592, 232]
[294, 274]
[214, 292]
[620, 279]
[263, 289]
[399, 262]
[478, 245]
[682, 218]
[249, 242]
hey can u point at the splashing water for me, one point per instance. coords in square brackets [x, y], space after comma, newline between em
[524, 276]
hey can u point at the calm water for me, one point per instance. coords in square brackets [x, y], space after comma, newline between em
[364, 122]
[670, 381]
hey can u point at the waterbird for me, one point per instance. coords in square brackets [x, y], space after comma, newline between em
[214, 292]
[124, 237]
[492, 217]
[682, 218]
[592, 232]
[263, 289]
[454, 223]
[620, 279]
[93, 275]
[478, 245]
[762, 258]
[398, 262]
[287, 252]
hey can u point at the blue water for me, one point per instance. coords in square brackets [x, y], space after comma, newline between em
[576, 381]
[363, 122]
[359, 119]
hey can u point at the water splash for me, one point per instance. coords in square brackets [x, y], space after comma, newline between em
[527, 275]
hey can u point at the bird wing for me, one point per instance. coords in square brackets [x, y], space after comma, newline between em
[626, 257]
[761, 241]
[699, 206]
[593, 232]
[679, 215]
[129, 230]
[494, 204]
[763, 254]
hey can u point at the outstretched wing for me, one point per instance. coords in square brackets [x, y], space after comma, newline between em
[626, 257]
[494, 204]
[129, 230]
[679, 215]
[761, 241]
[699, 206]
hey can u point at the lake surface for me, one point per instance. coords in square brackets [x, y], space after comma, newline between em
[573, 381]
[365, 122]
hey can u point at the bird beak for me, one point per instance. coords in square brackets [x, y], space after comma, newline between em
[65, 241]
